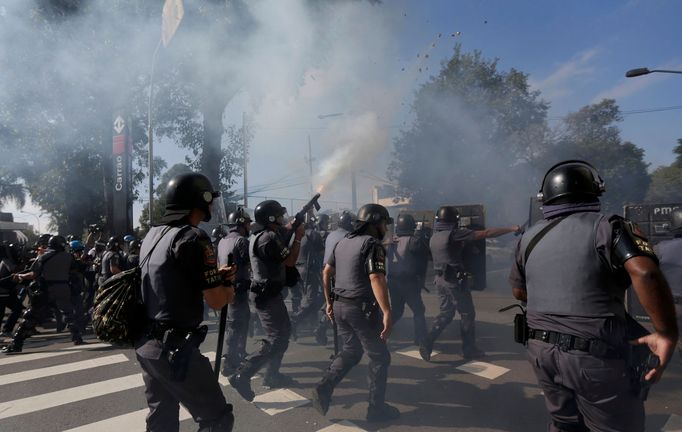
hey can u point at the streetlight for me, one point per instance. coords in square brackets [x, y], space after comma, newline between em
[645, 71]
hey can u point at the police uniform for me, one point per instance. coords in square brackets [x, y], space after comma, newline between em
[309, 266]
[669, 253]
[267, 253]
[357, 315]
[181, 266]
[52, 270]
[238, 312]
[8, 295]
[576, 288]
[109, 259]
[406, 255]
[447, 244]
[330, 242]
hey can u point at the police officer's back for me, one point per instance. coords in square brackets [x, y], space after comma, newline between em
[178, 271]
[112, 260]
[669, 253]
[447, 245]
[406, 256]
[360, 307]
[573, 269]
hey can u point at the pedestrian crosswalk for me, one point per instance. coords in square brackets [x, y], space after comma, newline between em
[37, 386]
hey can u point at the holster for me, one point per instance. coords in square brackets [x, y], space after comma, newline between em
[265, 291]
[640, 359]
[521, 329]
[177, 347]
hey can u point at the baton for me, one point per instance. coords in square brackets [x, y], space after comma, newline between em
[221, 331]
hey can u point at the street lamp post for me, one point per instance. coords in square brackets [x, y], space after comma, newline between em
[645, 71]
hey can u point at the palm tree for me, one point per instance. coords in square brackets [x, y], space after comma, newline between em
[12, 191]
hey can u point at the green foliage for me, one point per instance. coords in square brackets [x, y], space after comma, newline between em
[477, 129]
[666, 181]
[592, 134]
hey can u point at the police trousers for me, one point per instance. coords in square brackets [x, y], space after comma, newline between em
[199, 392]
[274, 318]
[583, 392]
[11, 301]
[455, 298]
[359, 334]
[406, 289]
[312, 298]
[238, 317]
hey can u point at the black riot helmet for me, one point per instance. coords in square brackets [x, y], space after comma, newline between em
[239, 217]
[134, 246]
[571, 181]
[323, 222]
[676, 221]
[42, 240]
[186, 192]
[374, 214]
[114, 243]
[218, 232]
[405, 224]
[268, 211]
[57, 243]
[346, 220]
[448, 214]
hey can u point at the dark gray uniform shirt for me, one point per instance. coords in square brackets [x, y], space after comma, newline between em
[182, 265]
[267, 254]
[356, 257]
[330, 243]
[237, 245]
[610, 329]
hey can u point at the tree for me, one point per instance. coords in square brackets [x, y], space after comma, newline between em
[476, 134]
[160, 201]
[592, 134]
[666, 181]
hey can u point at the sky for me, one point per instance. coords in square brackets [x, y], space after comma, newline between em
[575, 53]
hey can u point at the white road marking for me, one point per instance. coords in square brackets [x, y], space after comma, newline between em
[132, 422]
[87, 346]
[343, 426]
[279, 401]
[21, 358]
[483, 369]
[674, 424]
[62, 397]
[414, 353]
[61, 369]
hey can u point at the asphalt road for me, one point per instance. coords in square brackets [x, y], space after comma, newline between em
[54, 386]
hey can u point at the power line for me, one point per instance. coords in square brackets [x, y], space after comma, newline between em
[632, 112]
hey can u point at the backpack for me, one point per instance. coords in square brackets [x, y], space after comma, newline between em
[119, 315]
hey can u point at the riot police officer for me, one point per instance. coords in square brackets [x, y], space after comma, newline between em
[669, 253]
[9, 260]
[573, 268]
[51, 273]
[406, 255]
[309, 266]
[270, 255]
[178, 269]
[451, 279]
[344, 227]
[236, 243]
[217, 234]
[112, 260]
[133, 256]
[360, 307]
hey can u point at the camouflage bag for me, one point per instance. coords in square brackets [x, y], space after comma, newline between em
[119, 315]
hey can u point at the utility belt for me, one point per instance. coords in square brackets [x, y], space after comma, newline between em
[453, 274]
[265, 290]
[567, 342]
[369, 306]
[177, 345]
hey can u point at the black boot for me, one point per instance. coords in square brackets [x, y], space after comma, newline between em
[242, 384]
[384, 412]
[12, 348]
[278, 380]
[425, 348]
